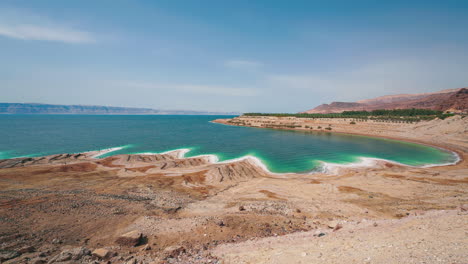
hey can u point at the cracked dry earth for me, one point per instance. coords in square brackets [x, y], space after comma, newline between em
[73, 208]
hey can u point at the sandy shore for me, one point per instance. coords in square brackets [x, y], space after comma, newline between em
[449, 134]
[62, 208]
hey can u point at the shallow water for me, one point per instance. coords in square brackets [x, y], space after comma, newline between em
[280, 150]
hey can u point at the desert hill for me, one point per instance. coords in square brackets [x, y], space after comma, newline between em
[455, 100]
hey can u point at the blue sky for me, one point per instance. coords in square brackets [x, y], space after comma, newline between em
[262, 56]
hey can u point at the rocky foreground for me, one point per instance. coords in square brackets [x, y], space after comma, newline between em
[163, 208]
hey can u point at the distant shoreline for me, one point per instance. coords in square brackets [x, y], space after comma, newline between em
[116, 114]
[37, 108]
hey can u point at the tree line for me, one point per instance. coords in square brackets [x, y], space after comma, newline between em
[410, 115]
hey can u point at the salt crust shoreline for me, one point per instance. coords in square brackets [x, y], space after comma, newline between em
[325, 167]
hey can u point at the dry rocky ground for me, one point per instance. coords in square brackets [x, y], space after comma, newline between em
[74, 208]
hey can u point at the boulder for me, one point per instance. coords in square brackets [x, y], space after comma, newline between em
[130, 239]
[102, 253]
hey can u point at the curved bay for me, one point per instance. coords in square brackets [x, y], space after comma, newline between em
[280, 150]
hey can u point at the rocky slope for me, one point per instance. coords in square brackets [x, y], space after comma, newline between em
[455, 100]
[163, 208]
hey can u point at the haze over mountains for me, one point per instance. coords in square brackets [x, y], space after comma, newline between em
[35, 108]
[454, 100]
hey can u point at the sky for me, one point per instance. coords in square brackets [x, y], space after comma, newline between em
[223, 55]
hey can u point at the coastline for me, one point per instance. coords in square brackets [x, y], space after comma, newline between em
[189, 208]
[362, 162]
[459, 153]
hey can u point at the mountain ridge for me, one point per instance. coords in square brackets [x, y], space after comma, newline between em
[39, 108]
[454, 100]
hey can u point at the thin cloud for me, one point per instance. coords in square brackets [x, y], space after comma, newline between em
[243, 64]
[34, 32]
[191, 88]
[20, 24]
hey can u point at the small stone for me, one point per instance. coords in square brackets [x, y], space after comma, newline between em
[332, 224]
[71, 254]
[130, 239]
[56, 241]
[337, 227]
[102, 253]
[464, 207]
[27, 249]
[37, 261]
[241, 208]
[8, 254]
[298, 210]
[63, 256]
[321, 234]
[221, 223]
[303, 254]
[132, 261]
[173, 251]
[79, 252]
[375, 224]
[145, 248]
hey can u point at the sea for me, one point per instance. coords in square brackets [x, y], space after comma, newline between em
[281, 151]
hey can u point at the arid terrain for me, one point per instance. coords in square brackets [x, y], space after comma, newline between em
[455, 100]
[164, 208]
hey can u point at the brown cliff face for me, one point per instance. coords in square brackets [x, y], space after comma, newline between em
[451, 100]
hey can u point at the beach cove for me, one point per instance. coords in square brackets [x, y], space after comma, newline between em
[280, 151]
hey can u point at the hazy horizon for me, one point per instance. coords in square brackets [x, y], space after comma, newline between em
[240, 56]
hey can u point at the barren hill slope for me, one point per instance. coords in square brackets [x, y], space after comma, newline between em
[451, 99]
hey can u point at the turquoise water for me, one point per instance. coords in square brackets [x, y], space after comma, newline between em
[280, 150]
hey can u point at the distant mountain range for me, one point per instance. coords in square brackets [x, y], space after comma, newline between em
[454, 100]
[34, 108]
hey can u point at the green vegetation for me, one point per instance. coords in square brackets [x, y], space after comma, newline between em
[395, 115]
[394, 112]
